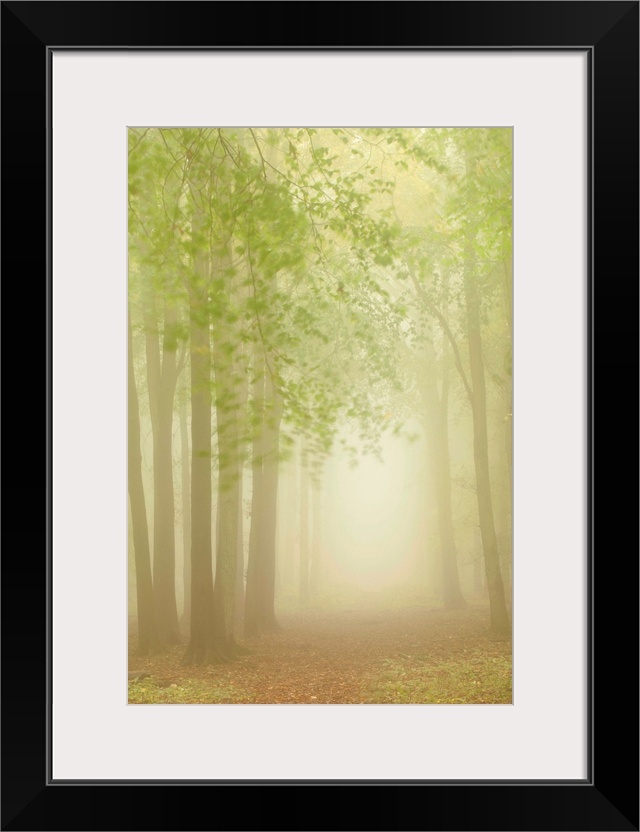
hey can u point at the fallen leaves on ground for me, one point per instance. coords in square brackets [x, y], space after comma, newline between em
[351, 656]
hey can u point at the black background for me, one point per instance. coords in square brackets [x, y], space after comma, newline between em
[609, 799]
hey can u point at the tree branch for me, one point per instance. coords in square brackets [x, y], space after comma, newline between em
[445, 327]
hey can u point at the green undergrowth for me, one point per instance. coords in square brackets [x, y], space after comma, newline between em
[474, 678]
[191, 692]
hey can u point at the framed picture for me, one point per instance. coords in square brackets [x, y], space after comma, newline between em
[564, 78]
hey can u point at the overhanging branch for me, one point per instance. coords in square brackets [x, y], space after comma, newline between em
[447, 331]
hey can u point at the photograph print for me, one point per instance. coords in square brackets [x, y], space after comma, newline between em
[320, 470]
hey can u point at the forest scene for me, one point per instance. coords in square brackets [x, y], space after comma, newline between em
[320, 415]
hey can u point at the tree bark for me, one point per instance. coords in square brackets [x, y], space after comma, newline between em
[186, 513]
[238, 620]
[228, 493]
[242, 391]
[200, 645]
[289, 515]
[316, 541]
[508, 294]
[162, 377]
[500, 623]
[506, 445]
[436, 407]
[261, 573]
[254, 570]
[272, 419]
[304, 529]
[147, 632]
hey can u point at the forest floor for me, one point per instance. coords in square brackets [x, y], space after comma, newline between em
[363, 654]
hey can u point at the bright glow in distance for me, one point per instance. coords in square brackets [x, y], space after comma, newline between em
[370, 519]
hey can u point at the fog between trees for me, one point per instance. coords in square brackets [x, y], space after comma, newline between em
[319, 380]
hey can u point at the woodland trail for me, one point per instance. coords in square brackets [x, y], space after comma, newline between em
[334, 656]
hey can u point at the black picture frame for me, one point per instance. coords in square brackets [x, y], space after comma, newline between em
[608, 798]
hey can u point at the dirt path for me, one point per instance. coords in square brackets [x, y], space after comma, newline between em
[323, 656]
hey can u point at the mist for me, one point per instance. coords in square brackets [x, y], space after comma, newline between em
[320, 416]
[372, 530]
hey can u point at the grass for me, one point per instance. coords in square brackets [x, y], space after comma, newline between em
[475, 678]
[192, 692]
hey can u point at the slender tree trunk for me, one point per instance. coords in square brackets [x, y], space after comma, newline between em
[508, 295]
[290, 522]
[438, 443]
[316, 540]
[278, 545]
[254, 571]
[186, 513]
[451, 579]
[506, 445]
[500, 623]
[304, 529]
[147, 633]
[261, 573]
[229, 468]
[273, 416]
[241, 387]
[162, 376]
[201, 639]
[503, 517]
[226, 559]
[238, 621]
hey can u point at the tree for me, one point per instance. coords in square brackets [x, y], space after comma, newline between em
[229, 406]
[303, 575]
[200, 647]
[477, 205]
[261, 575]
[147, 632]
[436, 404]
[280, 250]
[499, 616]
[162, 373]
[186, 508]
[315, 569]
[279, 238]
[467, 230]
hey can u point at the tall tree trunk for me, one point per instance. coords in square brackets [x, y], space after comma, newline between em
[229, 468]
[241, 386]
[186, 513]
[147, 633]
[261, 570]
[162, 376]
[238, 620]
[316, 540]
[201, 639]
[254, 571]
[506, 445]
[273, 417]
[500, 623]
[503, 512]
[508, 295]
[436, 407]
[261, 573]
[289, 517]
[304, 529]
